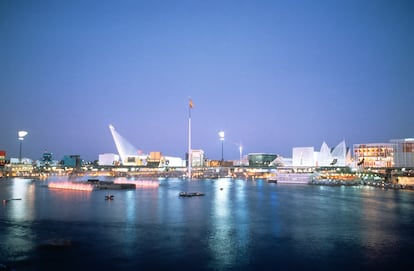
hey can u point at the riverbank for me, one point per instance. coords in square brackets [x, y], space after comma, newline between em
[373, 183]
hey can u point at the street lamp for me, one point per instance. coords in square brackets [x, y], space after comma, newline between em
[241, 151]
[221, 135]
[21, 135]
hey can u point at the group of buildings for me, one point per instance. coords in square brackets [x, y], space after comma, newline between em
[362, 157]
[397, 153]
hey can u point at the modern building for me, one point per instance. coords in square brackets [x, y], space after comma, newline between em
[73, 161]
[303, 157]
[339, 156]
[131, 156]
[374, 155]
[2, 158]
[108, 159]
[197, 158]
[47, 162]
[171, 162]
[403, 152]
[127, 152]
[261, 159]
[397, 153]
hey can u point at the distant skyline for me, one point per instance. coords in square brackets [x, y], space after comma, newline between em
[272, 74]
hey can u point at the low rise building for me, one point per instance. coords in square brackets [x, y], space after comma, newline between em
[403, 152]
[261, 159]
[303, 156]
[73, 161]
[339, 156]
[108, 159]
[197, 158]
[374, 155]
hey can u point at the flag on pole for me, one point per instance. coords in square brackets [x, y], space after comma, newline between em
[191, 103]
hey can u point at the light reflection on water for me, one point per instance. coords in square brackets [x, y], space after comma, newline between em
[220, 242]
[240, 225]
[18, 238]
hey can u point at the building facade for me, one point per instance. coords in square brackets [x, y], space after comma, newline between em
[339, 156]
[303, 157]
[374, 155]
[2, 158]
[261, 159]
[108, 159]
[73, 161]
[197, 158]
[403, 152]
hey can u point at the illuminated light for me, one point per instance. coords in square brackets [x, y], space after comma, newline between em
[221, 135]
[71, 186]
[22, 134]
[139, 183]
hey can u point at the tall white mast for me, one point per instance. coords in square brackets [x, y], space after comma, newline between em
[190, 106]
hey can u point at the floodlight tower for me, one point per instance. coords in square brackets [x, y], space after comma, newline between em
[241, 153]
[21, 135]
[221, 136]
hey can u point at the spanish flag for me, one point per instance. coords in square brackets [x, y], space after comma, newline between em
[191, 103]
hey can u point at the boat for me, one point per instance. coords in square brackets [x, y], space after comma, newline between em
[115, 186]
[7, 200]
[294, 178]
[291, 178]
[272, 179]
[190, 194]
[56, 243]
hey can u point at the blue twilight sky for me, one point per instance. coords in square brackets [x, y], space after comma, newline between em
[272, 74]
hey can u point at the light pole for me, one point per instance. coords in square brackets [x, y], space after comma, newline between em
[21, 135]
[241, 151]
[221, 135]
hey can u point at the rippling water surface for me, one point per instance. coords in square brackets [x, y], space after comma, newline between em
[237, 225]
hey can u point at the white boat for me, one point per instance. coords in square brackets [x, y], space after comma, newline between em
[291, 178]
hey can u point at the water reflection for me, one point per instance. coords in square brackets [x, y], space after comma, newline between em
[22, 209]
[17, 237]
[229, 238]
[236, 224]
[380, 216]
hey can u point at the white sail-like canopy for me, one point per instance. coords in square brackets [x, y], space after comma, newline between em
[339, 153]
[124, 148]
[324, 157]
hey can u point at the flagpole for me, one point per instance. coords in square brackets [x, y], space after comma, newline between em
[189, 138]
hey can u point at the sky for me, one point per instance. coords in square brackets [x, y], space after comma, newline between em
[272, 75]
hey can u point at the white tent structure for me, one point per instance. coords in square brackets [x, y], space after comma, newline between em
[339, 156]
[324, 157]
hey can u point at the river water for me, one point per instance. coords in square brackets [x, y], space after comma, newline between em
[237, 225]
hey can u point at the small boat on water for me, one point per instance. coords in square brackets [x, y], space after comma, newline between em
[190, 194]
[56, 243]
[272, 179]
[114, 186]
[7, 200]
[109, 197]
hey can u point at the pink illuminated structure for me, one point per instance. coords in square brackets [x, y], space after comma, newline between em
[71, 186]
